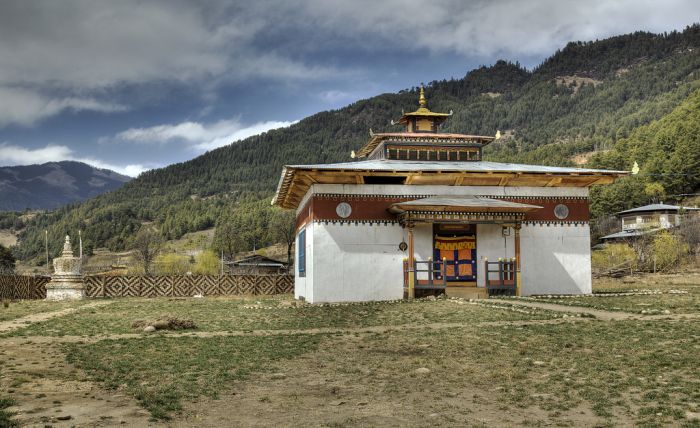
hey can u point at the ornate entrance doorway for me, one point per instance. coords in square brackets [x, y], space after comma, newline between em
[455, 244]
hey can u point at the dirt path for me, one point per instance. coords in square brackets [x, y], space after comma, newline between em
[46, 388]
[329, 330]
[598, 313]
[8, 326]
[49, 391]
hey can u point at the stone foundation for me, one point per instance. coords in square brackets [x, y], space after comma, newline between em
[65, 288]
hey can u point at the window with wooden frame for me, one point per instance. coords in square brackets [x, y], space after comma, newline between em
[301, 251]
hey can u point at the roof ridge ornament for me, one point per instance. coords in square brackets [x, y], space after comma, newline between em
[421, 98]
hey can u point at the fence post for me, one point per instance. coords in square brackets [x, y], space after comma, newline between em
[443, 270]
[430, 271]
[500, 271]
[486, 272]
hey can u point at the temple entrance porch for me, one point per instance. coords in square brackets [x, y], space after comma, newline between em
[456, 266]
[474, 246]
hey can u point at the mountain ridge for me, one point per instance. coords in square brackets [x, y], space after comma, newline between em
[53, 184]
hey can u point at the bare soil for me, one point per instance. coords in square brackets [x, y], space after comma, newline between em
[8, 238]
[47, 388]
[319, 390]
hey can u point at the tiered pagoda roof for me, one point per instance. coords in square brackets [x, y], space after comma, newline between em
[421, 140]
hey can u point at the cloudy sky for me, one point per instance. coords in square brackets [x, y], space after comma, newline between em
[137, 84]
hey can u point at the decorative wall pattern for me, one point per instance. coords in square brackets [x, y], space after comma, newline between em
[370, 209]
[34, 287]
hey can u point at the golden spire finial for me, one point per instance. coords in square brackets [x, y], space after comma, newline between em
[421, 99]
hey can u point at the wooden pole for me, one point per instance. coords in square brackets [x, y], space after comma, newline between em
[411, 264]
[46, 247]
[517, 260]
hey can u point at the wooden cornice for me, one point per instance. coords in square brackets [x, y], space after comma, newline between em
[296, 182]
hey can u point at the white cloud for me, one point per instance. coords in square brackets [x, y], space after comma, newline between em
[24, 107]
[16, 155]
[202, 137]
[335, 96]
[486, 27]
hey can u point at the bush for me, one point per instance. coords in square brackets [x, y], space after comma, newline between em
[690, 231]
[614, 255]
[668, 250]
[7, 260]
[206, 263]
[172, 264]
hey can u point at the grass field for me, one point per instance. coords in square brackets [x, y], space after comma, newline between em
[424, 363]
[24, 308]
[262, 313]
[678, 294]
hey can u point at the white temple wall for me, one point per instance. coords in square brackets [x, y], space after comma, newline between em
[350, 261]
[491, 244]
[556, 259]
[356, 262]
[423, 246]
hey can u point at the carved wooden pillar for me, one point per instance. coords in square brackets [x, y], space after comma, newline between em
[517, 259]
[411, 263]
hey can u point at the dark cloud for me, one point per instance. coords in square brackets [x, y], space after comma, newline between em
[140, 64]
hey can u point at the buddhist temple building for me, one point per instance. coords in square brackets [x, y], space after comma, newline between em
[420, 212]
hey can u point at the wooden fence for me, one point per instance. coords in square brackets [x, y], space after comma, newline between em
[34, 287]
[15, 287]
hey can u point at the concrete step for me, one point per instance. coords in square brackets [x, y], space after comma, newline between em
[467, 292]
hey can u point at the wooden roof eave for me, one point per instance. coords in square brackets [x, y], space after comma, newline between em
[294, 184]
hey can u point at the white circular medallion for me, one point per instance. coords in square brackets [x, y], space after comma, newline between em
[561, 211]
[343, 210]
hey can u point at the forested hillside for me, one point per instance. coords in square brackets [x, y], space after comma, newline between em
[668, 154]
[626, 98]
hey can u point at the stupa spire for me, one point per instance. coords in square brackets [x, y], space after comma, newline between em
[422, 120]
[421, 99]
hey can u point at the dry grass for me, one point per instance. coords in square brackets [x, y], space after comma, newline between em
[675, 294]
[22, 308]
[262, 313]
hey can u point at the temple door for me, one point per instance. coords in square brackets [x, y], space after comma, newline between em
[460, 256]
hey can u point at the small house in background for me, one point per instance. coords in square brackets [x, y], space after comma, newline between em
[649, 219]
[256, 265]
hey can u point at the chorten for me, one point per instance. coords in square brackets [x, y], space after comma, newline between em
[66, 282]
